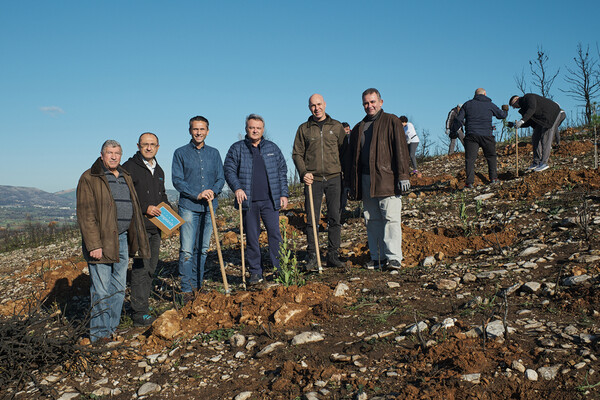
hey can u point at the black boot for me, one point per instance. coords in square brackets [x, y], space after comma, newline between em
[333, 260]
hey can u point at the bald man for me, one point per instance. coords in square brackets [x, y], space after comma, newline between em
[316, 155]
[477, 115]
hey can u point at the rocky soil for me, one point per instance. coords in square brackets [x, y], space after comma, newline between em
[498, 299]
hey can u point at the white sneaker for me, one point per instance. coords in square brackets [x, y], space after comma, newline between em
[531, 168]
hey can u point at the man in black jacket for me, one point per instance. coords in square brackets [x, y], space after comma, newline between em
[149, 181]
[478, 113]
[544, 116]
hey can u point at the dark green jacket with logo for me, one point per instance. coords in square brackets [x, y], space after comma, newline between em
[318, 150]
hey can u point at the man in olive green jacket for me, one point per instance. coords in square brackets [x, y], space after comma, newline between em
[112, 230]
[316, 154]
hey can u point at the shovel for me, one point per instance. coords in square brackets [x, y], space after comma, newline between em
[242, 247]
[314, 226]
[216, 232]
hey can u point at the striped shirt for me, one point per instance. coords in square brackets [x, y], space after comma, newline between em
[122, 197]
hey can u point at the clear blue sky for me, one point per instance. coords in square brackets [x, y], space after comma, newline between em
[75, 73]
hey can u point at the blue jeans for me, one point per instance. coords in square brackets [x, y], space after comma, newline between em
[107, 292]
[195, 240]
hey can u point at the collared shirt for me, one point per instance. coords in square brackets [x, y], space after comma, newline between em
[150, 166]
[194, 171]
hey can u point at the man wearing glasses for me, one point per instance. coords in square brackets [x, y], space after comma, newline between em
[149, 182]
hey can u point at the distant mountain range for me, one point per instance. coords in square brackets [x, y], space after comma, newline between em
[20, 196]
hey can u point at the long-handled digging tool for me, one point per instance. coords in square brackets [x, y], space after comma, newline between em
[517, 148]
[216, 232]
[314, 225]
[242, 247]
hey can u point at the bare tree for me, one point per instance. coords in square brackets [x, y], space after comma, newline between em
[542, 77]
[584, 81]
[520, 81]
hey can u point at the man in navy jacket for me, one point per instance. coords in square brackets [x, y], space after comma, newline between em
[256, 171]
[149, 181]
[476, 114]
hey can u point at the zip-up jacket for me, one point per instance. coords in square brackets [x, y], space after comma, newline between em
[318, 151]
[478, 113]
[238, 170]
[388, 157]
[150, 187]
[97, 217]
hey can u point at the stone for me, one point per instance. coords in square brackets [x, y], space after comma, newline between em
[548, 373]
[69, 396]
[237, 340]
[446, 284]
[483, 197]
[336, 357]
[307, 337]
[269, 349]
[531, 375]
[311, 396]
[148, 388]
[167, 325]
[429, 261]
[243, 396]
[341, 288]
[288, 312]
[575, 280]
[473, 378]
[531, 287]
[529, 251]
[422, 326]
[588, 258]
[103, 391]
[393, 285]
[517, 365]
[469, 277]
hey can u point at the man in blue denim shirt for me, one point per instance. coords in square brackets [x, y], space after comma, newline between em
[197, 174]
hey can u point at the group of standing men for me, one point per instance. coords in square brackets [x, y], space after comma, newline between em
[114, 202]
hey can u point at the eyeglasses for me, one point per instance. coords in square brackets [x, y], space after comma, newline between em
[151, 145]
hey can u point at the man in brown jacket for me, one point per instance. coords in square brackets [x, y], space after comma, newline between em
[316, 154]
[377, 172]
[112, 230]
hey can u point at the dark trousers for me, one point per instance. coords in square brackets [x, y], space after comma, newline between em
[142, 273]
[472, 145]
[270, 217]
[332, 188]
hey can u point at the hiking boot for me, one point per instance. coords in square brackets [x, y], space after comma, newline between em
[311, 263]
[376, 264]
[255, 279]
[333, 260]
[469, 186]
[541, 167]
[143, 320]
[494, 181]
[394, 264]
